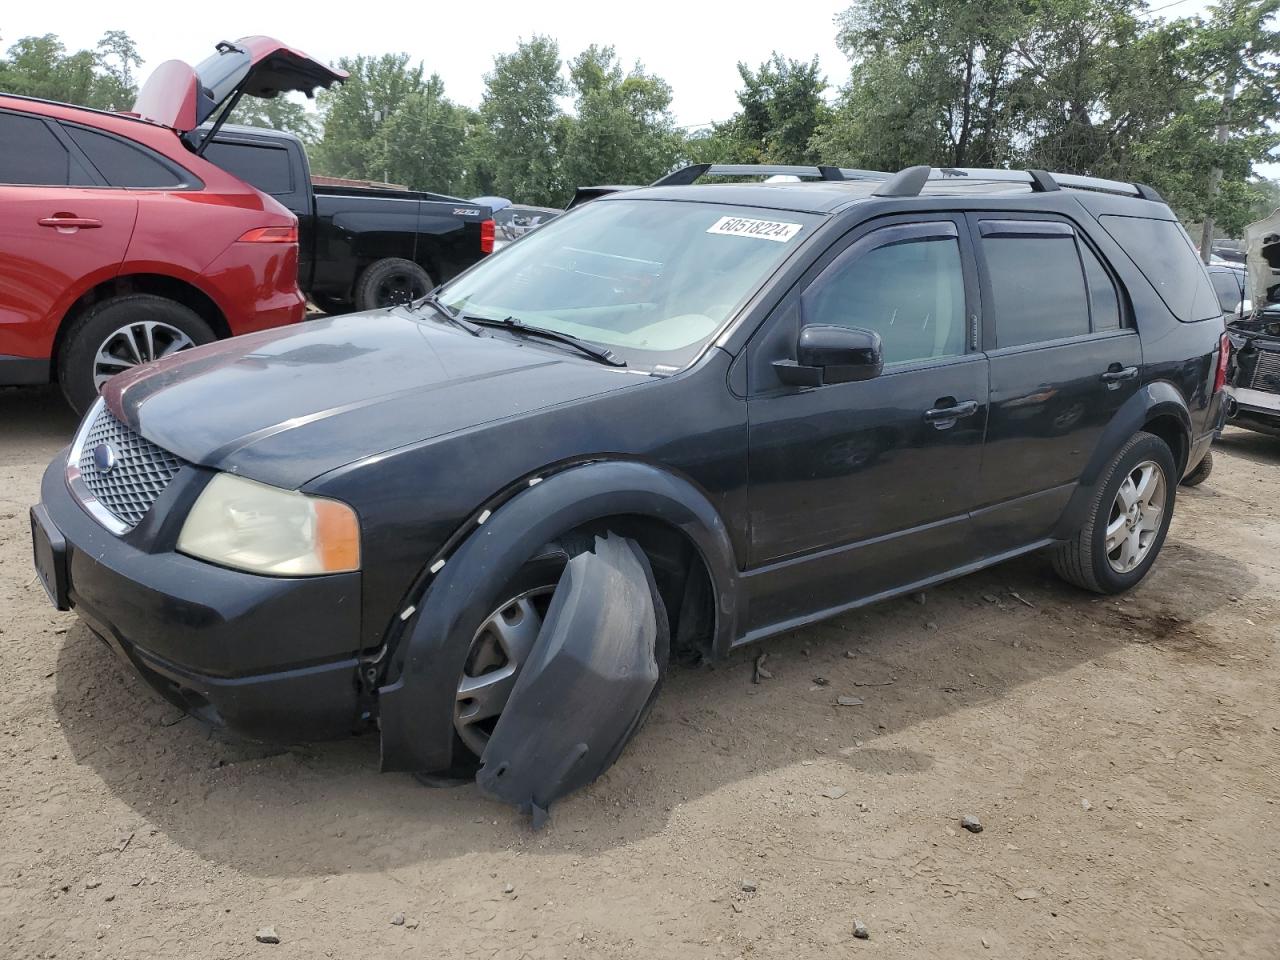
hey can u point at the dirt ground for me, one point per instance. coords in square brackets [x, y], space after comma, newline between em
[1122, 755]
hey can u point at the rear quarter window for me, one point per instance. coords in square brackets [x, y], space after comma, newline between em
[123, 164]
[1163, 252]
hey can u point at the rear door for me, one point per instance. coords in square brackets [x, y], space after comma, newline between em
[62, 230]
[1064, 358]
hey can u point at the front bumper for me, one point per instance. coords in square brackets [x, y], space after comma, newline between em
[268, 657]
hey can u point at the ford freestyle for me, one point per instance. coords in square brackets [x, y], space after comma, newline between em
[120, 244]
[791, 399]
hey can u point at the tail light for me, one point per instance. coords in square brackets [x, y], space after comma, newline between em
[486, 236]
[287, 234]
[1224, 354]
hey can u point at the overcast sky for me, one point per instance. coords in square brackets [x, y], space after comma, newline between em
[693, 46]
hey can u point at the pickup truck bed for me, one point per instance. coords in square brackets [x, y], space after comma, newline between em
[359, 248]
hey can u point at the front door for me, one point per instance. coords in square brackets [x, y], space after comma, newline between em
[860, 488]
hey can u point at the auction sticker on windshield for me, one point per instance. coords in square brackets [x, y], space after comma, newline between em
[775, 230]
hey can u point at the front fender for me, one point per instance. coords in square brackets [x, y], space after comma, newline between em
[1158, 398]
[462, 587]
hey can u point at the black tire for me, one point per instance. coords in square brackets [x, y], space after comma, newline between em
[1201, 472]
[1083, 560]
[168, 321]
[331, 306]
[545, 570]
[385, 283]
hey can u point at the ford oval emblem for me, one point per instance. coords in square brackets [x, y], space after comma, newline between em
[105, 458]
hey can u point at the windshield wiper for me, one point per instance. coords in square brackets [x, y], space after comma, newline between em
[599, 354]
[431, 300]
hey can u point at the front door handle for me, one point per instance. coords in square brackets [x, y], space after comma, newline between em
[948, 411]
[1117, 374]
[68, 221]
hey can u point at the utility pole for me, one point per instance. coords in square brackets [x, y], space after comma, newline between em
[1215, 175]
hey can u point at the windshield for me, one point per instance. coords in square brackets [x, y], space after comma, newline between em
[652, 280]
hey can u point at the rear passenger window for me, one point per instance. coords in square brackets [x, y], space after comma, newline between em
[1162, 250]
[1103, 299]
[122, 164]
[266, 168]
[1037, 287]
[910, 293]
[33, 155]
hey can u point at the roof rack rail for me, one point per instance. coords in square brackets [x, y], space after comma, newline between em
[687, 175]
[912, 180]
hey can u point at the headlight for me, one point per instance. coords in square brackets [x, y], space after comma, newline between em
[263, 529]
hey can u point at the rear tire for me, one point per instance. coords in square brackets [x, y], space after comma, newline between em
[117, 334]
[388, 282]
[1201, 472]
[1095, 561]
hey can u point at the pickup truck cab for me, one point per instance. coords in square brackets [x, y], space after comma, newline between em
[359, 248]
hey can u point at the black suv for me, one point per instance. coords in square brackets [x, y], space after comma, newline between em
[791, 398]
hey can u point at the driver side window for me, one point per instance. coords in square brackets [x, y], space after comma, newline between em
[910, 292]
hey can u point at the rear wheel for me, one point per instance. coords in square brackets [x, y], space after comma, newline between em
[118, 334]
[1127, 520]
[1201, 472]
[386, 283]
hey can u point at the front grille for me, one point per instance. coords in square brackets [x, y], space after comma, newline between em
[141, 472]
[1266, 372]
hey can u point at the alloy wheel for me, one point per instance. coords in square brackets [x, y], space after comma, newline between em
[498, 651]
[1136, 517]
[399, 288]
[135, 344]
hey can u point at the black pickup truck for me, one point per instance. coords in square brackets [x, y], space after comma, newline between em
[359, 248]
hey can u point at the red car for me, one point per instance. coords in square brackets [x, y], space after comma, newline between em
[120, 243]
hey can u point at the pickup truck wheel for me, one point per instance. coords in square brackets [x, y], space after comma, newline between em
[386, 283]
[120, 333]
[1127, 521]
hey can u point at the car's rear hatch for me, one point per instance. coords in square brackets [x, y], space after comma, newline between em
[182, 97]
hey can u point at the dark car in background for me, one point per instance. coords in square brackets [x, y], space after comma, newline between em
[360, 247]
[120, 243]
[787, 400]
[1253, 399]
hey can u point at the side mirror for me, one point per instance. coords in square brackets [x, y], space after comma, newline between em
[826, 353]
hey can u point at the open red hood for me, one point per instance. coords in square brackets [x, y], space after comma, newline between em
[181, 96]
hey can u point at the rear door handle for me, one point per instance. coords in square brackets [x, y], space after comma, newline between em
[1116, 374]
[66, 220]
[949, 411]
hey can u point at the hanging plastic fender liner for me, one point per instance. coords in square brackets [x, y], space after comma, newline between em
[587, 685]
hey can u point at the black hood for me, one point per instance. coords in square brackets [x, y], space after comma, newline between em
[287, 405]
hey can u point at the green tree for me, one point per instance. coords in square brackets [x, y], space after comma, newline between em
[355, 112]
[782, 108]
[118, 58]
[1231, 125]
[279, 113]
[524, 126]
[622, 131]
[423, 143]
